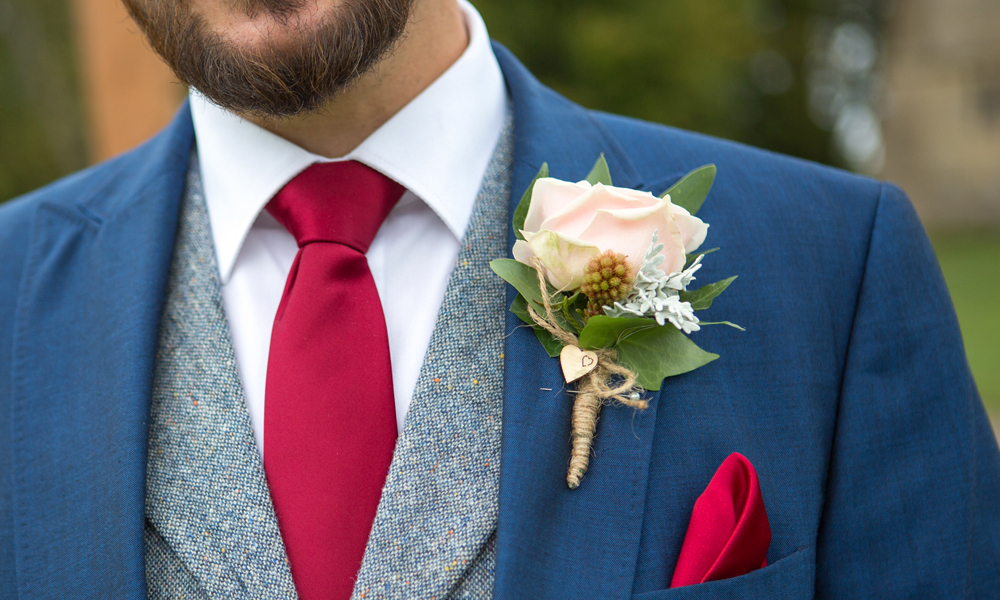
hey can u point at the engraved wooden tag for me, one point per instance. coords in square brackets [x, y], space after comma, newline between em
[576, 362]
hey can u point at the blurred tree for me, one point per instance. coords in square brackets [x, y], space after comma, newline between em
[730, 68]
[41, 135]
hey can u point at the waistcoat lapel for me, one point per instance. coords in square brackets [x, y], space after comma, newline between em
[553, 542]
[85, 334]
[207, 495]
[433, 532]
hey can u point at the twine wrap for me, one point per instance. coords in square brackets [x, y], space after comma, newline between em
[609, 382]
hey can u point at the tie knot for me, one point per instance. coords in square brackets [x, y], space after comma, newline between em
[340, 202]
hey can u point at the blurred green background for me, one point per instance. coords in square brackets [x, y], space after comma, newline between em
[687, 63]
[41, 123]
[800, 77]
[970, 260]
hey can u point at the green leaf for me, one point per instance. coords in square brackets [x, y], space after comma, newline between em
[690, 258]
[521, 276]
[525, 281]
[701, 298]
[600, 173]
[520, 308]
[607, 332]
[551, 345]
[521, 212]
[690, 192]
[651, 351]
[655, 354]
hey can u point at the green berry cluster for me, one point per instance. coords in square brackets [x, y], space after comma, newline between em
[607, 279]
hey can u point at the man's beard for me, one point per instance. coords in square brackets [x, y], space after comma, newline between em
[270, 79]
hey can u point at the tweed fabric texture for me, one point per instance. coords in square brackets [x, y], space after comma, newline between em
[166, 574]
[211, 531]
[433, 535]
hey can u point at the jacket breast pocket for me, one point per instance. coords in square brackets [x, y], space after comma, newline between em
[791, 578]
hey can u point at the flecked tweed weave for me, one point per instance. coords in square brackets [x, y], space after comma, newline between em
[210, 525]
[211, 530]
[433, 533]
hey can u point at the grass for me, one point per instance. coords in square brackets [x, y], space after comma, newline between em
[971, 265]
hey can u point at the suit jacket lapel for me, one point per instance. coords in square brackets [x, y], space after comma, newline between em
[83, 354]
[553, 542]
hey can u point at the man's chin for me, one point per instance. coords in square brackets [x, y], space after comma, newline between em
[272, 65]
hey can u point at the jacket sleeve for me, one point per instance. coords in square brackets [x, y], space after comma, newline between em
[912, 503]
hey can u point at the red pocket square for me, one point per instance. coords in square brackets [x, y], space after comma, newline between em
[728, 534]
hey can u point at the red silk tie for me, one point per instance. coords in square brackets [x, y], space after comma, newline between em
[329, 415]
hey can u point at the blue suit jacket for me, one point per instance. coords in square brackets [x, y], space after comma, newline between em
[849, 391]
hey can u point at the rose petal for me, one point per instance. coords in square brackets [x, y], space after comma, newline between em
[522, 252]
[685, 234]
[692, 229]
[564, 259]
[640, 213]
[577, 216]
[631, 231]
[550, 196]
[673, 248]
[646, 197]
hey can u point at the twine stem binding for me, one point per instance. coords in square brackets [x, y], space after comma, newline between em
[609, 382]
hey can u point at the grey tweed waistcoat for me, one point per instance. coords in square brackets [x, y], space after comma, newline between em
[211, 530]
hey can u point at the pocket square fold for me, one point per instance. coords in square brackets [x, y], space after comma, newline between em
[728, 534]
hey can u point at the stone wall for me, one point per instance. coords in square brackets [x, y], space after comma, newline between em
[942, 125]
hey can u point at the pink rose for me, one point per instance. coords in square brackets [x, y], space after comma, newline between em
[568, 224]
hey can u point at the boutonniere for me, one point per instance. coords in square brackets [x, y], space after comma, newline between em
[602, 275]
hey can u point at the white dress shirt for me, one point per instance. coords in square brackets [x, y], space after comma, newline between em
[438, 147]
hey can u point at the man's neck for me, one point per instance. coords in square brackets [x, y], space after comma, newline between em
[435, 38]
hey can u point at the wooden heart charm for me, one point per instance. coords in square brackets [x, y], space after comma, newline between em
[576, 362]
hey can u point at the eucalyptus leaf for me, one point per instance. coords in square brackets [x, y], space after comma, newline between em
[607, 332]
[690, 192]
[652, 351]
[520, 308]
[551, 345]
[525, 281]
[600, 173]
[701, 298]
[655, 354]
[521, 276]
[521, 212]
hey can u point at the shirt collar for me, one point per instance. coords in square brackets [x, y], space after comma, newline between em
[438, 147]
